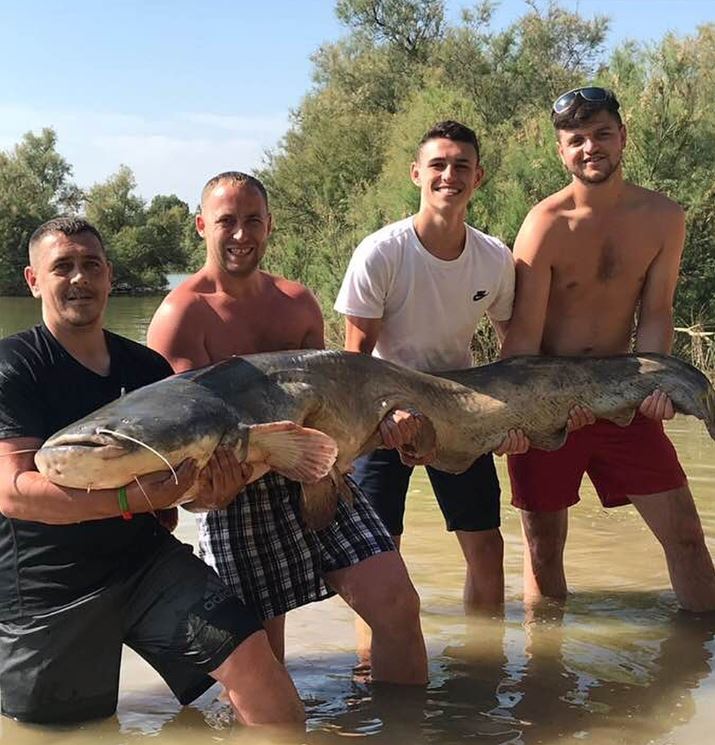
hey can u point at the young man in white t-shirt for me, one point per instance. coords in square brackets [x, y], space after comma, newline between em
[413, 294]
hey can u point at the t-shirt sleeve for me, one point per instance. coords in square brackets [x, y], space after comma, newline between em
[503, 302]
[159, 369]
[20, 408]
[365, 285]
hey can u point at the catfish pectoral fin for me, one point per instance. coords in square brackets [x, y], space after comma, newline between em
[548, 440]
[318, 502]
[298, 453]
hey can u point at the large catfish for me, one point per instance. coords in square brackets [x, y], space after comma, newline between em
[272, 409]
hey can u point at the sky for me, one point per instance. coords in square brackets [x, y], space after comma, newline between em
[178, 93]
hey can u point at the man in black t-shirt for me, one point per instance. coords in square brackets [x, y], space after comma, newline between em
[82, 573]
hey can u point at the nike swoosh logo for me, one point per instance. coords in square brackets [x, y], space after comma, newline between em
[480, 295]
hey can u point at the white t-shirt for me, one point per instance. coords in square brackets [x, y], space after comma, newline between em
[429, 307]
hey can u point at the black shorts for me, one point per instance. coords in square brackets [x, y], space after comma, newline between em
[63, 665]
[469, 501]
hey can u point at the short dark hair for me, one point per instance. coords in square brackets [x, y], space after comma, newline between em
[233, 177]
[450, 130]
[581, 111]
[67, 225]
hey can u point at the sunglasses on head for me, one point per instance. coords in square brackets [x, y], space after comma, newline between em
[592, 94]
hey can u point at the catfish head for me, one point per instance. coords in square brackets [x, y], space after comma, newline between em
[144, 431]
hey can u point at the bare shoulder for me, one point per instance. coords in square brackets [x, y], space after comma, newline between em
[183, 307]
[542, 227]
[294, 292]
[656, 202]
[188, 297]
[289, 287]
[553, 211]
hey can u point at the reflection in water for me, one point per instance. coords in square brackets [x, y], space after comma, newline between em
[618, 675]
[609, 665]
[617, 664]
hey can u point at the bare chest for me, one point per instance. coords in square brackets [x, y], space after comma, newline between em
[247, 328]
[591, 261]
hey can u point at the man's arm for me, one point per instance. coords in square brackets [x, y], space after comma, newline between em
[501, 307]
[176, 332]
[654, 332]
[26, 494]
[399, 427]
[532, 254]
[500, 329]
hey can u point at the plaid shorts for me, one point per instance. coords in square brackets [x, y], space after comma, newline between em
[261, 550]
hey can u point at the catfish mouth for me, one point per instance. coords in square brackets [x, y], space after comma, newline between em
[102, 444]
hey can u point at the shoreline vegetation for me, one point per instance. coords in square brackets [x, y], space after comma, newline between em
[339, 173]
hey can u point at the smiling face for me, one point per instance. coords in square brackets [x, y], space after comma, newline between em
[72, 277]
[447, 172]
[593, 151]
[236, 224]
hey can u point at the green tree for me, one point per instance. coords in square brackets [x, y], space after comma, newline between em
[170, 218]
[35, 186]
[409, 25]
[113, 205]
[514, 74]
[144, 242]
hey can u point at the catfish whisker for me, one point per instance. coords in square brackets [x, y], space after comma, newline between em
[18, 452]
[144, 445]
[146, 496]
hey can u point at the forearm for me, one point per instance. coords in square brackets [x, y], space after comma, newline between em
[33, 497]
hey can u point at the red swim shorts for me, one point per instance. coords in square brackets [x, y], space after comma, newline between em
[638, 459]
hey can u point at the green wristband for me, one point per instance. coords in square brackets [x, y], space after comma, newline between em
[124, 504]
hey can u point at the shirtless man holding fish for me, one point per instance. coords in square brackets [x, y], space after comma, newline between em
[587, 259]
[258, 544]
[83, 572]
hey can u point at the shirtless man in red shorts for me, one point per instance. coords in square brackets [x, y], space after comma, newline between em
[588, 259]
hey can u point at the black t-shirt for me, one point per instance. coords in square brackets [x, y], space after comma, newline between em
[43, 389]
